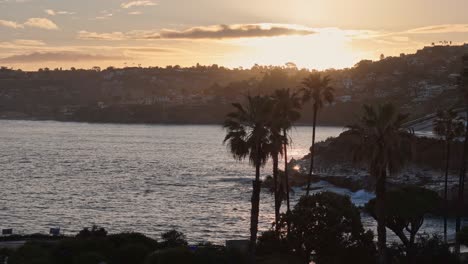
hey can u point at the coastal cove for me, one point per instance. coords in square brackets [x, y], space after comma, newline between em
[142, 178]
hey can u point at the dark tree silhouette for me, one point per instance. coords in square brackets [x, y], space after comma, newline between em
[319, 91]
[248, 136]
[385, 147]
[405, 210]
[461, 180]
[329, 225]
[286, 112]
[449, 126]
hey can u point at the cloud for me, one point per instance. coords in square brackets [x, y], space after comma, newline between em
[211, 32]
[85, 35]
[439, 29]
[42, 23]
[52, 12]
[235, 31]
[138, 3]
[135, 13]
[29, 42]
[10, 24]
[60, 56]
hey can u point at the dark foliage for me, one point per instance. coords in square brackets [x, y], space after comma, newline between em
[95, 231]
[173, 239]
[329, 226]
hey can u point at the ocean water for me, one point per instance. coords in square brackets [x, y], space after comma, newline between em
[142, 178]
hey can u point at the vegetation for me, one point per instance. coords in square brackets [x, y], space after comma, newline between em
[329, 226]
[405, 210]
[318, 90]
[463, 87]
[248, 136]
[449, 126]
[384, 146]
[286, 112]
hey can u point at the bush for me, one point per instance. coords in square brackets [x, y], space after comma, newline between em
[89, 258]
[427, 249]
[269, 243]
[173, 239]
[181, 255]
[95, 231]
[329, 225]
[32, 253]
[462, 236]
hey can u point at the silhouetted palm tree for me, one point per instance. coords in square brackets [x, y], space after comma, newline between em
[287, 104]
[383, 145]
[319, 91]
[248, 136]
[461, 181]
[449, 126]
[274, 149]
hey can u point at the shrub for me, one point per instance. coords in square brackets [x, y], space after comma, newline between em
[173, 238]
[329, 225]
[181, 255]
[95, 231]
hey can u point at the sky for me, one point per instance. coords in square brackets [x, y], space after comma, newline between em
[314, 34]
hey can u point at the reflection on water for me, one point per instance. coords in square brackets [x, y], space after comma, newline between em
[144, 178]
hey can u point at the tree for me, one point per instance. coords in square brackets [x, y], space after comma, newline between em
[319, 91]
[385, 147]
[275, 149]
[461, 180]
[449, 126]
[405, 210]
[329, 225]
[248, 137]
[173, 238]
[286, 112]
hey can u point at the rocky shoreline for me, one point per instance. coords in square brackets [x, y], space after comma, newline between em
[335, 164]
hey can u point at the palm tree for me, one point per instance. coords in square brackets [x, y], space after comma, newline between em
[318, 90]
[275, 149]
[461, 180]
[287, 104]
[385, 148]
[449, 126]
[248, 136]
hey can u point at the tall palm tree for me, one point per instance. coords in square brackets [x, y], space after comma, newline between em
[275, 149]
[248, 136]
[286, 112]
[385, 148]
[448, 125]
[319, 91]
[461, 180]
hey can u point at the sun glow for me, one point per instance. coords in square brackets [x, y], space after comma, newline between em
[327, 48]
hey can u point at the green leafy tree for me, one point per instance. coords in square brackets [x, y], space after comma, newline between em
[449, 126]
[385, 146]
[317, 90]
[405, 210]
[248, 136]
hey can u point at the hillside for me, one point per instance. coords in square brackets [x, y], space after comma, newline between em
[419, 83]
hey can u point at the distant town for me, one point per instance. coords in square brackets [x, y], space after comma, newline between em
[418, 83]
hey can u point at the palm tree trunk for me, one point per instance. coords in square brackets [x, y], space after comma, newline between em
[286, 177]
[255, 208]
[447, 162]
[312, 149]
[276, 191]
[461, 185]
[380, 213]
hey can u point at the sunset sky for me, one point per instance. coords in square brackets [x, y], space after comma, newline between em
[316, 34]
